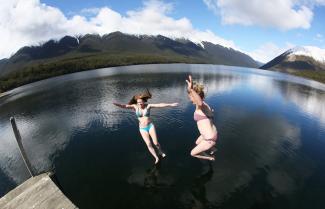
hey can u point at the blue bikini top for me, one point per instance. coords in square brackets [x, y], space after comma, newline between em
[142, 112]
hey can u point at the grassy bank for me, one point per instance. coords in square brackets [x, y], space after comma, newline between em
[313, 75]
[52, 68]
[40, 71]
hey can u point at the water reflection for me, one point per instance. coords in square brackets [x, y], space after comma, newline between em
[266, 148]
[244, 151]
[151, 178]
[198, 189]
[310, 101]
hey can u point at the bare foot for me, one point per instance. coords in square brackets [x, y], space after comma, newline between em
[213, 150]
[211, 159]
[157, 160]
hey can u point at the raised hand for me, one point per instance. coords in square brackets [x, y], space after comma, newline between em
[189, 82]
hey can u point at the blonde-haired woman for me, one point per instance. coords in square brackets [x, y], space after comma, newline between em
[142, 110]
[203, 115]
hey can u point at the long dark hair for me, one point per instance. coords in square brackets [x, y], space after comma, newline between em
[144, 96]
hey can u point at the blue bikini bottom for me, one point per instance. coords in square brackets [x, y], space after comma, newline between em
[147, 128]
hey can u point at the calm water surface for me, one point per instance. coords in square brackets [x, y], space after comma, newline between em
[270, 148]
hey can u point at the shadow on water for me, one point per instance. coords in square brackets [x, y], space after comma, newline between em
[270, 143]
[151, 179]
[198, 189]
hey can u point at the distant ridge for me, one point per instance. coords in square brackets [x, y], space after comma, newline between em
[298, 58]
[305, 61]
[119, 43]
[73, 54]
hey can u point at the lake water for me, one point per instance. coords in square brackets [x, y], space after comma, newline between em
[271, 141]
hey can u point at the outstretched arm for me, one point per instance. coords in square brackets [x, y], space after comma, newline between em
[197, 99]
[164, 105]
[126, 106]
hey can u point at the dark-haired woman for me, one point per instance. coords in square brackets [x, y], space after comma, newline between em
[147, 129]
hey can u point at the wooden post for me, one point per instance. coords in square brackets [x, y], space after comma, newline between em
[20, 145]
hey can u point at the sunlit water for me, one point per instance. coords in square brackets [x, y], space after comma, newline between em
[270, 148]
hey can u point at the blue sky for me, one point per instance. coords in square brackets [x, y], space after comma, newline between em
[262, 29]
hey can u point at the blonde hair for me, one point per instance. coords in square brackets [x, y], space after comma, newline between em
[144, 96]
[199, 89]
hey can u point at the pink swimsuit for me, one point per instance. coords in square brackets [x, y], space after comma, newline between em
[198, 117]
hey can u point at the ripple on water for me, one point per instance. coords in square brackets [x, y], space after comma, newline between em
[270, 139]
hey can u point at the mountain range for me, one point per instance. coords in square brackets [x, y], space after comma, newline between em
[306, 61]
[297, 59]
[91, 51]
[118, 43]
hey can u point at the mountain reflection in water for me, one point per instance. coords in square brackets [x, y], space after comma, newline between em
[270, 147]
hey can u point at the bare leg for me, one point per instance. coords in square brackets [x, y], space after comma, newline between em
[203, 146]
[213, 148]
[154, 138]
[146, 138]
[199, 139]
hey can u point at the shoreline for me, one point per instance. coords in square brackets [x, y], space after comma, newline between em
[296, 74]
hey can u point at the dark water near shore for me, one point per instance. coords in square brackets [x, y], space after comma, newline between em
[270, 148]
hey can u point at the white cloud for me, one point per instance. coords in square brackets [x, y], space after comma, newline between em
[268, 51]
[29, 22]
[311, 3]
[281, 14]
[93, 10]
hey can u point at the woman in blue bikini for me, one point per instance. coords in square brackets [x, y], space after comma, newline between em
[147, 129]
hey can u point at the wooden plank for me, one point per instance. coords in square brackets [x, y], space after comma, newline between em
[38, 192]
[57, 199]
[20, 189]
[33, 195]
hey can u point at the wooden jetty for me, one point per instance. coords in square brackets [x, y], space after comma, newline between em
[38, 192]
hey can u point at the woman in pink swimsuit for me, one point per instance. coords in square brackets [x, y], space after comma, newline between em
[203, 115]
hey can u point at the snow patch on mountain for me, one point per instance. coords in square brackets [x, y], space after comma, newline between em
[309, 51]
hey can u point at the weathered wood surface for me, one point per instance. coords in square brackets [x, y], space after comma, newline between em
[38, 192]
